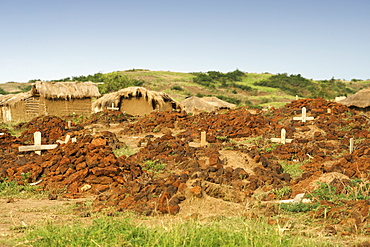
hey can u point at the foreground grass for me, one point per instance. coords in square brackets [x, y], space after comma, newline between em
[11, 189]
[114, 232]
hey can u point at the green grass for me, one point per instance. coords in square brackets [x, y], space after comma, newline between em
[123, 232]
[10, 189]
[125, 151]
[293, 168]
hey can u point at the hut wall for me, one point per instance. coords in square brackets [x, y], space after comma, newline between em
[61, 107]
[15, 113]
[136, 106]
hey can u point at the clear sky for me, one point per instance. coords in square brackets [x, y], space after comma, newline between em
[50, 39]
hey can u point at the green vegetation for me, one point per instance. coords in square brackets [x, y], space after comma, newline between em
[111, 82]
[125, 151]
[293, 169]
[298, 85]
[280, 193]
[123, 232]
[215, 79]
[357, 189]
[10, 189]
[299, 207]
[153, 165]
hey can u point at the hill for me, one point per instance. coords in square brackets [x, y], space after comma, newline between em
[241, 88]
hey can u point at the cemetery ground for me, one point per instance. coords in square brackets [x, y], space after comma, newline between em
[260, 177]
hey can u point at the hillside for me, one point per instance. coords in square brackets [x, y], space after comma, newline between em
[250, 89]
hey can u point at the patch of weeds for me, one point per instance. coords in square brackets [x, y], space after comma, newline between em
[9, 189]
[294, 169]
[154, 166]
[124, 151]
[271, 148]
[222, 138]
[280, 193]
[299, 207]
[228, 148]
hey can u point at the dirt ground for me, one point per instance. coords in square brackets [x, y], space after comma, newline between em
[235, 174]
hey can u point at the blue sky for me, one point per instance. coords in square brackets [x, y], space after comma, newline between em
[319, 39]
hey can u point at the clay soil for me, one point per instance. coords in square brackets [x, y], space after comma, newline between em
[237, 173]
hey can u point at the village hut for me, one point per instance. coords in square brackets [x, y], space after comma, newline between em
[197, 105]
[136, 101]
[13, 107]
[359, 100]
[49, 98]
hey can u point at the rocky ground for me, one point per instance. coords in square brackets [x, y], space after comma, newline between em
[239, 172]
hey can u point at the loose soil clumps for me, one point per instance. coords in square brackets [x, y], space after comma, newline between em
[167, 170]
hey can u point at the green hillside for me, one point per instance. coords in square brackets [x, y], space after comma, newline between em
[241, 88]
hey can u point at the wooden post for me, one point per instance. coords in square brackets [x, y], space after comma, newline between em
[203, 139]
[351, 145]
[304, 117]
[37, 147]
[296, 97]
[282, 138]
[37, 140]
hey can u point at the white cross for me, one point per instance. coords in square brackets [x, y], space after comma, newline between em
[283, 138]
[37, 147]
[203, 139]
[113, 108]
[351, 145]
[304, 117]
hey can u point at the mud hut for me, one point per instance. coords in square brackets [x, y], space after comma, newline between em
[359, 100]
[196, 105]
[13, 107]
[49, 98]
[136, 101]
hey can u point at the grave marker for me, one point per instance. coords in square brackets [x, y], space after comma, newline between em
[283, 138]
[351, 145]
[304, 117]
[203, 139]
[37, 147]
[113, 108]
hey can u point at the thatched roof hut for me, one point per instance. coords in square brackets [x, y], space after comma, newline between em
[65, 90]
[11, 99]
[361, 99]
[196, 105]
[49, 98]
[218, 103]
[136, 101]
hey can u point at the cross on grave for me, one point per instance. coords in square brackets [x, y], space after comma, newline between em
[113, 108]
[304, 117]
[283, 138]
[351, 145]
[203, 141]
[37, 147]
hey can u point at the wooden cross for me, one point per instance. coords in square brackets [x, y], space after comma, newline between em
[37, 147]
[283, 138]
[351, 146]
[203, 141]
[304, 117]
[113, 108]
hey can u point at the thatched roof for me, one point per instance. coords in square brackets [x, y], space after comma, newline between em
[360, 99]
[195, 104]
[157, 99]
[65, 90]
[11, 99]
[218, 102]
